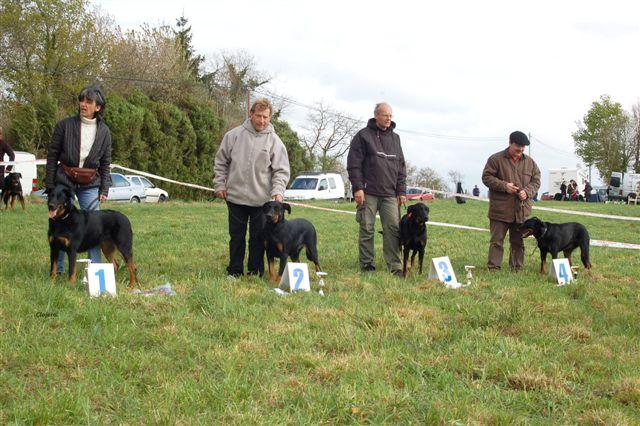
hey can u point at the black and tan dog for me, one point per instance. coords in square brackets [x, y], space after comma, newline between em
[12, 190]
[72, 231]
[413, 235]
[554, 238]
[286, 238]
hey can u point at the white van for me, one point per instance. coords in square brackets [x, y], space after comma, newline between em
[26, 166]
[316, 186]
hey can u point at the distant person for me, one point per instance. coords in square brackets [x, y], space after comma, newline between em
[587, 190]
[476, 191]
[377, 172]
[563, 190]
[573, 190]
[82, 141]
[459, 190]
[5, 148]
[512, 178]
[251, 167]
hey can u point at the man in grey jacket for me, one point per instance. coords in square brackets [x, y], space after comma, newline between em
[251, 168]
[377, 172]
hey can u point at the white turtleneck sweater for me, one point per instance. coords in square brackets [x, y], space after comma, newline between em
[88, 129]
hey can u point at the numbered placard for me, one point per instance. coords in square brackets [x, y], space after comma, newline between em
[561, 271]
[102, 279]
[295, 277]
[442, 270]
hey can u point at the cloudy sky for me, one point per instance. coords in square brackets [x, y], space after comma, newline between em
[460, 75]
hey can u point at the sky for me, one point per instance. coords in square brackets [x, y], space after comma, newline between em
[460, 75]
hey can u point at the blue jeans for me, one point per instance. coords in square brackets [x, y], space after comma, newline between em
[88, 200]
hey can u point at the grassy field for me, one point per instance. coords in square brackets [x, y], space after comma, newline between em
[513, 348]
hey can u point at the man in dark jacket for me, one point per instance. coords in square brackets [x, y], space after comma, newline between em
[84, 141]
[377, 172]
[5, 148]
[512, 178]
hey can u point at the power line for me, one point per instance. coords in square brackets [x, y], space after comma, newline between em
[430, 135]
[572, 155]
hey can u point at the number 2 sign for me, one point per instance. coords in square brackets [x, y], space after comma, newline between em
[295, 277]
[102, 279]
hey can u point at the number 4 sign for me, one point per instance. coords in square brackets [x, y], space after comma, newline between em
[295, 277]
[562, 271]
[102, 279]
[441, 269]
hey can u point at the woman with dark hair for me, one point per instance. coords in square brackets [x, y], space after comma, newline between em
[79, 156]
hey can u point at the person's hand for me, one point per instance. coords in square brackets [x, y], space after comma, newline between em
[222, 194]
[522, 195]
[103, 198]
[401, 199]
[359, 197]
[278, 198]
[511, 188]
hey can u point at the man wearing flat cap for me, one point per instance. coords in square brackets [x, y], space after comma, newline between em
[512, 178]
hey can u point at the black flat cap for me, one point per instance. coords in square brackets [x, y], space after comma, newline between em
[519, 138]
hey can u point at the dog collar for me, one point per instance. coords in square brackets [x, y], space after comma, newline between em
[63, 217]
[544, 232]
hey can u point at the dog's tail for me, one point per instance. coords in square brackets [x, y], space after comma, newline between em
[584, 250]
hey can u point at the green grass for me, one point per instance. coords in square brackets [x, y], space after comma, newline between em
[376, 349]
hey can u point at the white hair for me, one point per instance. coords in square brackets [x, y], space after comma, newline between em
[379, 105]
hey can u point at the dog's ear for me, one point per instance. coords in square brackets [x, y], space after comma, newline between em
[287, 207]
[67, 193]
[19, 175]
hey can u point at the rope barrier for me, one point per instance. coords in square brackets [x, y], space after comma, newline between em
[598, 243]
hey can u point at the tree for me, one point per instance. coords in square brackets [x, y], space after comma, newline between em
[151, 60]
[298, 159]
[429, 178]
[455, 177]
[191, 61]
[412, 174]
[604, 137]
[327, 137]
[232, 80]
[51, 46]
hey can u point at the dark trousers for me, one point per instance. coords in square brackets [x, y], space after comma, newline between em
[239, 216]
[516, 244]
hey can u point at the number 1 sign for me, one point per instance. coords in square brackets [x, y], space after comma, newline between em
[102, 279]
[295, 277]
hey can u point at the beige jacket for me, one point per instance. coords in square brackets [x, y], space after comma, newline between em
[251, 166]
[500, 170]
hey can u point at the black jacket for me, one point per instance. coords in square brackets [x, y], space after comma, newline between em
[5, 148]
[376, 162]
[65, 148]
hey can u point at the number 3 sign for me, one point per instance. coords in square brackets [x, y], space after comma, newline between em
[102, 279]
[295, 277]
[442, 270]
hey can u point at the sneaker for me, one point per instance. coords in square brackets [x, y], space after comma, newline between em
[368, 268]
[234, 275]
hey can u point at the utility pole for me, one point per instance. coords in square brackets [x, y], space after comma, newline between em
[248, 101]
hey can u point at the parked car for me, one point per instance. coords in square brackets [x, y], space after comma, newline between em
[154, 194]
[419, 194]
[546, 197]
[123, 191]
[316, 186]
